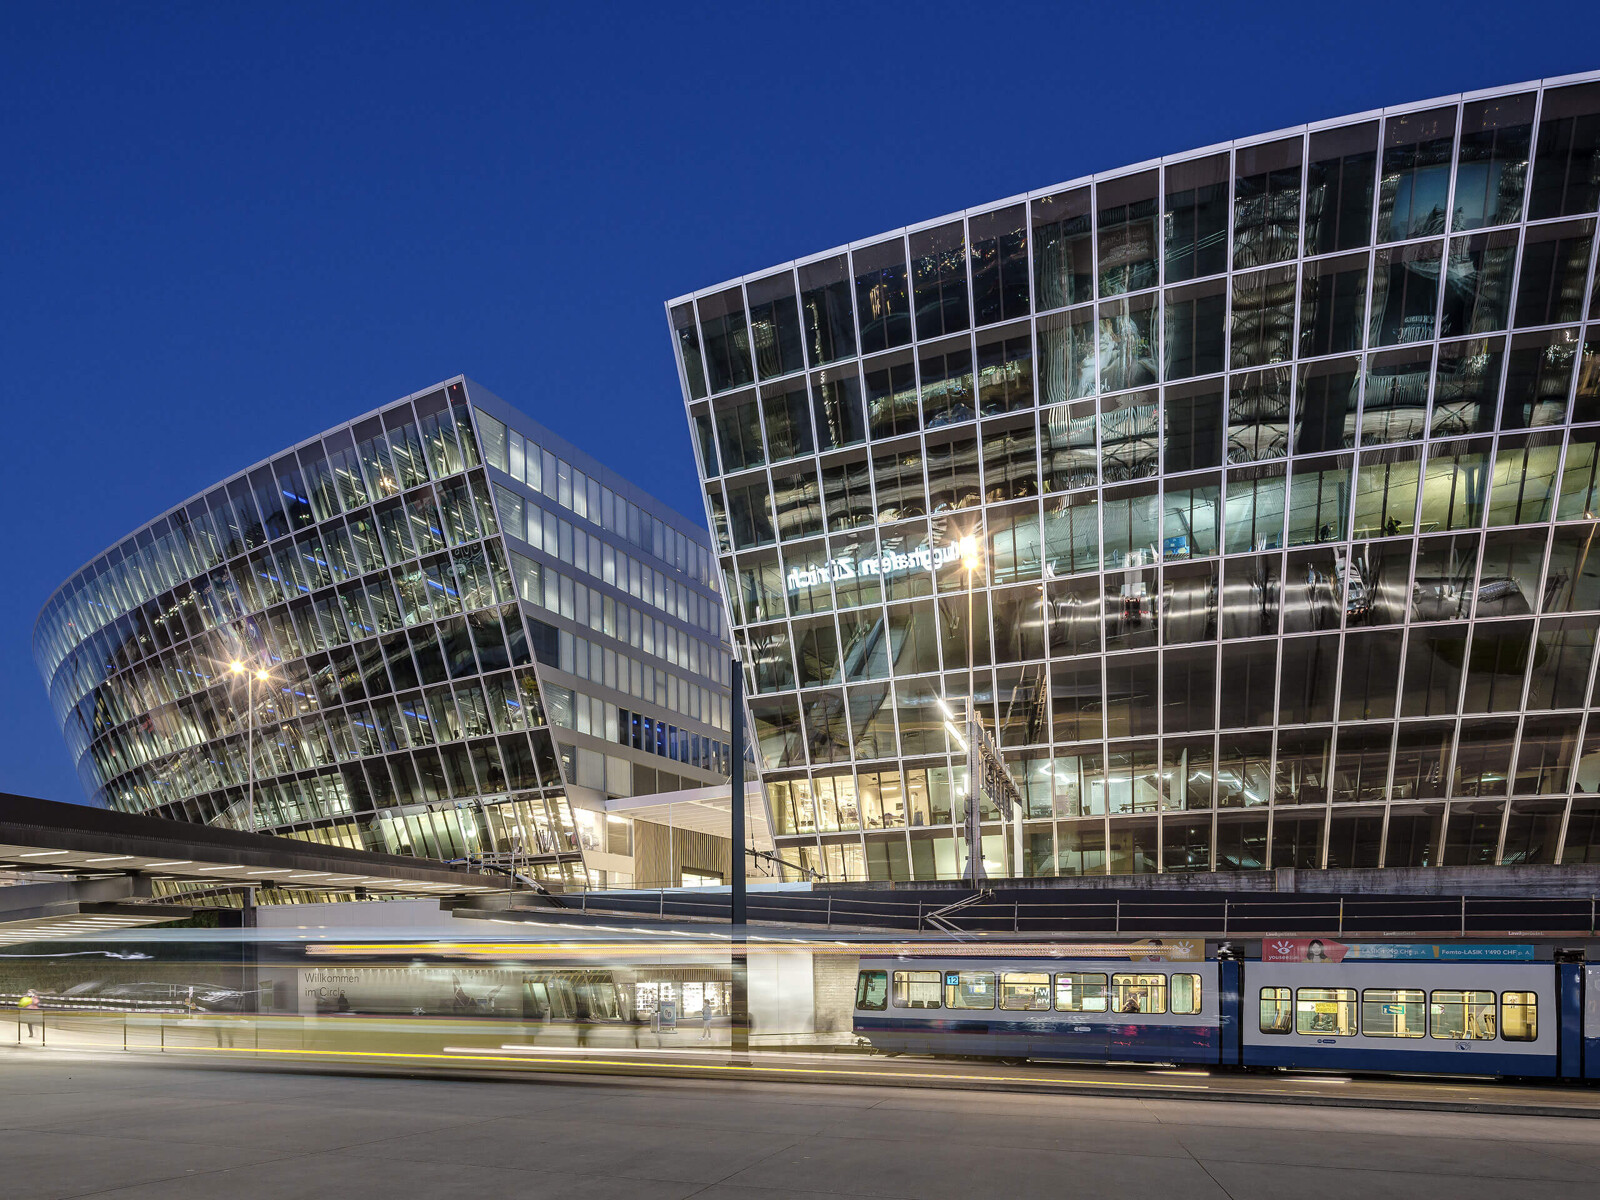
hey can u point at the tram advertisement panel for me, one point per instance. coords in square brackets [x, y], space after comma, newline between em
[1315, 950]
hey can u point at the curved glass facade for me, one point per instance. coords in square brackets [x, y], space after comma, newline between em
[1283, 457]
[420, 586]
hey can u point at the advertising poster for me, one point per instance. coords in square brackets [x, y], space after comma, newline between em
[1302, 950]
[1167, 950]
[1312, 950]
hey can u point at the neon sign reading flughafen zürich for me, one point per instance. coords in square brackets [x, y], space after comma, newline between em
[890, 562]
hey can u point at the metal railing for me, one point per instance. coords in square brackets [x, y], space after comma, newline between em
[1271, 914]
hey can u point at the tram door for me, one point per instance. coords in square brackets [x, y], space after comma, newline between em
[1080, 1016]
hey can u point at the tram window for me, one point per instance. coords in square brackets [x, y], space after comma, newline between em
[1519, 1016]
[1277, 1011]
[602, 998]
[1463, 1016]
[1139, 993]
[1079, 992]
[872, 990]
[1186, 993]
[561, 1002]
[1393, 1012]
[1025, 990]
[535, 999]
[969, 989]
[1326, 1010]
[916, 989]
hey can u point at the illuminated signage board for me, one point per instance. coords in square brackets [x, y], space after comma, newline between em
[889, 563]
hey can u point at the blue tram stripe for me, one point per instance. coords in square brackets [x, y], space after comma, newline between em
[1076, 1040]
[1354, 1057]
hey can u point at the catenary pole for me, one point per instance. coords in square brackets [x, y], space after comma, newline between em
[250, 750]
[739, 1016]
[736, 909]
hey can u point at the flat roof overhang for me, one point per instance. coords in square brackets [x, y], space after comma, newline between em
[75, 841]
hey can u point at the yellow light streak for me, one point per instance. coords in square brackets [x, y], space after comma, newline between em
[718, 1068]
[724, 948]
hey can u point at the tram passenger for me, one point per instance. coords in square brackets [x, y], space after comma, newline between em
[581, 1015]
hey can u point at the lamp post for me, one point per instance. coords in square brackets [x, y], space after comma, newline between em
[238, 668]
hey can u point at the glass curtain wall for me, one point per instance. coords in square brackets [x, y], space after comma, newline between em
[402, 704]
[1283, 463]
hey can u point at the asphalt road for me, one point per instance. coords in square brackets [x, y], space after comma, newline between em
[77, 1125]
[465, 1048]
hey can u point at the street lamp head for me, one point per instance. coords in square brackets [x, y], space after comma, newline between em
[236, 667]
[969, 552]
[261, 675]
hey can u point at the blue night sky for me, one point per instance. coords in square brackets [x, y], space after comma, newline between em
[228, 227]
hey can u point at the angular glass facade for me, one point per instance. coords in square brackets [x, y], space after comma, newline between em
[462, 619]
[1284, 457]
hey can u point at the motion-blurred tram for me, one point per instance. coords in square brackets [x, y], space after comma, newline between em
[1512, 1019]
[591, 986]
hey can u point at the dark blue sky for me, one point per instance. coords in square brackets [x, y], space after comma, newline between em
[227, 227]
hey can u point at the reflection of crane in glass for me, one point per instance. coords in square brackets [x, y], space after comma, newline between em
[1258, 416]
[1027, 705]
[1560, 582]
[1123, 353]
[1129, 437]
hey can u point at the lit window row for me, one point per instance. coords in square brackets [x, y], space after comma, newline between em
[1474, 833]
[590, 608]
[584, 552]
[554, 478]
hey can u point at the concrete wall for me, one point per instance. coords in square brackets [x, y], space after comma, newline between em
[834, 988]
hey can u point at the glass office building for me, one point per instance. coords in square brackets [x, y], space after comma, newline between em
[1282, 458]
[463, 622]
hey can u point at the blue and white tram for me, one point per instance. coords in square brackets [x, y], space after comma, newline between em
[1429, 1017]
[1524, 1019]
[1081, 1009]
